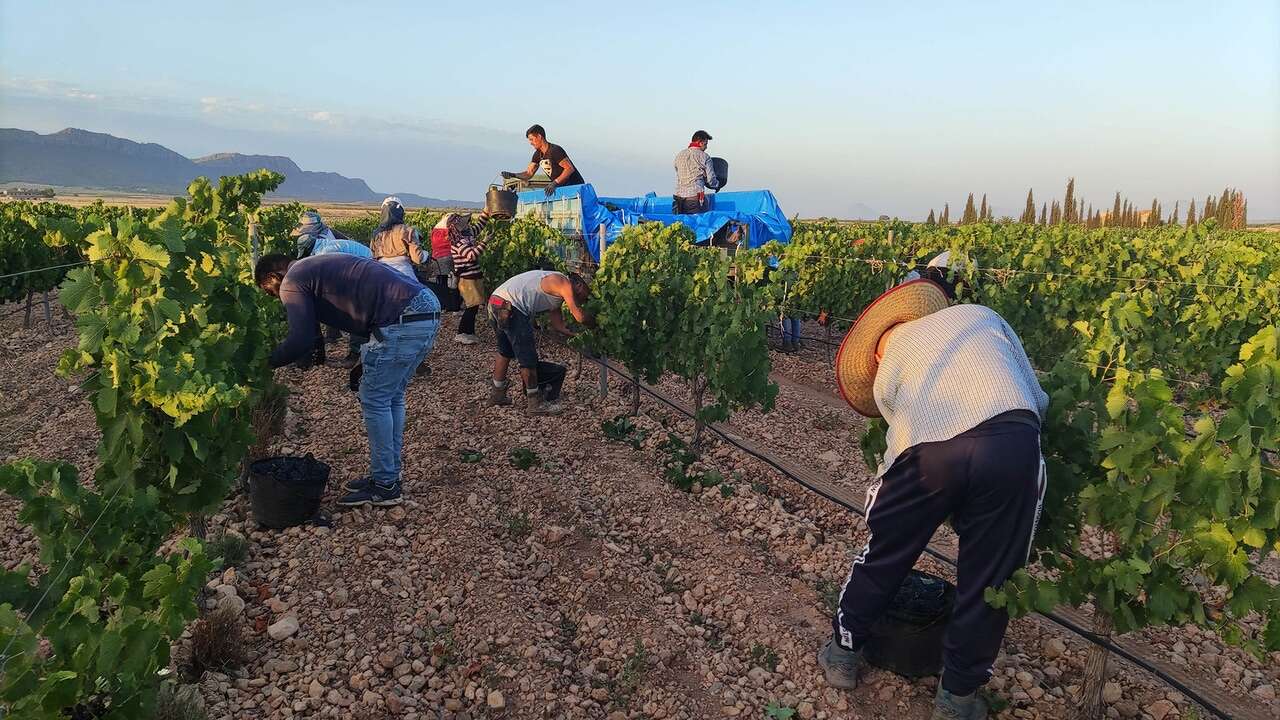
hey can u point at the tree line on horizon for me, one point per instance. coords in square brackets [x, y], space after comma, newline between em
[1230, 210]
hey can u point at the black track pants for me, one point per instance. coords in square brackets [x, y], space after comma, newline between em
[990, 481]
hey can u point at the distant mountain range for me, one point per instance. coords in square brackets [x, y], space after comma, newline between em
[79, 158]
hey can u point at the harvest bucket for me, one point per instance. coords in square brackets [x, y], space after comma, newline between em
[286, 491]
[499, 202]
[908, 639]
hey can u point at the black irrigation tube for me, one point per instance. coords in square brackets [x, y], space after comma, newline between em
[1054, 617]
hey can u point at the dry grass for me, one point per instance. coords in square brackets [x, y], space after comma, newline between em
[217, 643]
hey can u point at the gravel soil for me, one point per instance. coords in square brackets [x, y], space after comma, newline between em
[585, 586]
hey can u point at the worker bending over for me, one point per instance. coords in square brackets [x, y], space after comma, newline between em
[364, 297]
[964, 411]
[512, 308]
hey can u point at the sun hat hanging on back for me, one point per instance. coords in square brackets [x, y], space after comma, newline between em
[855, 361]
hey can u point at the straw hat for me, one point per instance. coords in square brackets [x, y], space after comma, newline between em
[856, 362]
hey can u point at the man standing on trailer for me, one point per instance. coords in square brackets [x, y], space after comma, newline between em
[964, 411]
[694, 174]
[512, 308]
[550, 159]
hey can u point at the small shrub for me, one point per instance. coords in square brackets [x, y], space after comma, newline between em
[470, 456]
[267, 418]
[726, 491]
[518, 525]
[828, 595]
[765, 657]
[631, 675]
[779, 712]
[443, 646]
[523, 458]
[229, 548]
[179, 702]
[760, 488]
[217, 643]
[622, 429]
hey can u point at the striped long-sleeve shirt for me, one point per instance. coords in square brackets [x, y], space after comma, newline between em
[948, 372]
[694, 172]
[466, 249]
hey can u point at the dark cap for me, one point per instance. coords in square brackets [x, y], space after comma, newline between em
[701, 135]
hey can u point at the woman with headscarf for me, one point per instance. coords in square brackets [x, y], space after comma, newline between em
[396, 243]
[465, 247]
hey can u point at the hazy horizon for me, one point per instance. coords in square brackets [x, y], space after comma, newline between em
[838, 110]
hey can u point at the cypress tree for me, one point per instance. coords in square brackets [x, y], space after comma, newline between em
[1223, 210]
[1097, 218]
[1044, 213]
[1055, 214]
[1029, 212]
[982, 212]
[970, 214]
[946, 215]
[1244, 215]
[1173, 219]
[1115, 212]
[1069, 202]
[1191, 213]
[1153, 218]
[1210, 209]
[931, 220]
[1088, 216]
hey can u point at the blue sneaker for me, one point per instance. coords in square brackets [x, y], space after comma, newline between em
[372, 494]
[359, 483]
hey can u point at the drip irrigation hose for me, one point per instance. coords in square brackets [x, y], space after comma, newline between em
[1053, 617]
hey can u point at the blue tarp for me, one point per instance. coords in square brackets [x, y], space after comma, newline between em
[757, 209]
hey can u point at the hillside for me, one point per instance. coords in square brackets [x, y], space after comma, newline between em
[80, 158]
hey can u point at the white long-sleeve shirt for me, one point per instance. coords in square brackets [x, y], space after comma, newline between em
[947, 373]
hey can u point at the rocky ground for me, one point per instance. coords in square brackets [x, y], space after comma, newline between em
[583, 587]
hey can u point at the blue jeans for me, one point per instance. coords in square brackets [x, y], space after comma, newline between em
[389, 364]
[791, 330]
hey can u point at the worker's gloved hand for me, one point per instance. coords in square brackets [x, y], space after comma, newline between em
[507, 175]
[551, 190]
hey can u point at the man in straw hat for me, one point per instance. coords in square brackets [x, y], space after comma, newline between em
[964, 409]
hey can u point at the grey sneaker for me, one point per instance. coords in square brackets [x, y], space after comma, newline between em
[948, 706]
[498, 395]
[840, 666]
[536, 404]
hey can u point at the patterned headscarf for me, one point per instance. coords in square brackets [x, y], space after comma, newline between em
[459, 225]
[309, 223]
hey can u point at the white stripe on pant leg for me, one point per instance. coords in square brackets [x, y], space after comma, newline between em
[1042, 484]
[846, 638]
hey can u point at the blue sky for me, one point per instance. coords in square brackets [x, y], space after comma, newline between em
[840, 108]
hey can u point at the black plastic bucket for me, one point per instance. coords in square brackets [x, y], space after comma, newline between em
[500, 203]
[721, 168]
[286, 491]
[550, 379]
[908, 639]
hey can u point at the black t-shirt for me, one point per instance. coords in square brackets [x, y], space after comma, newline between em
[550, 164]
